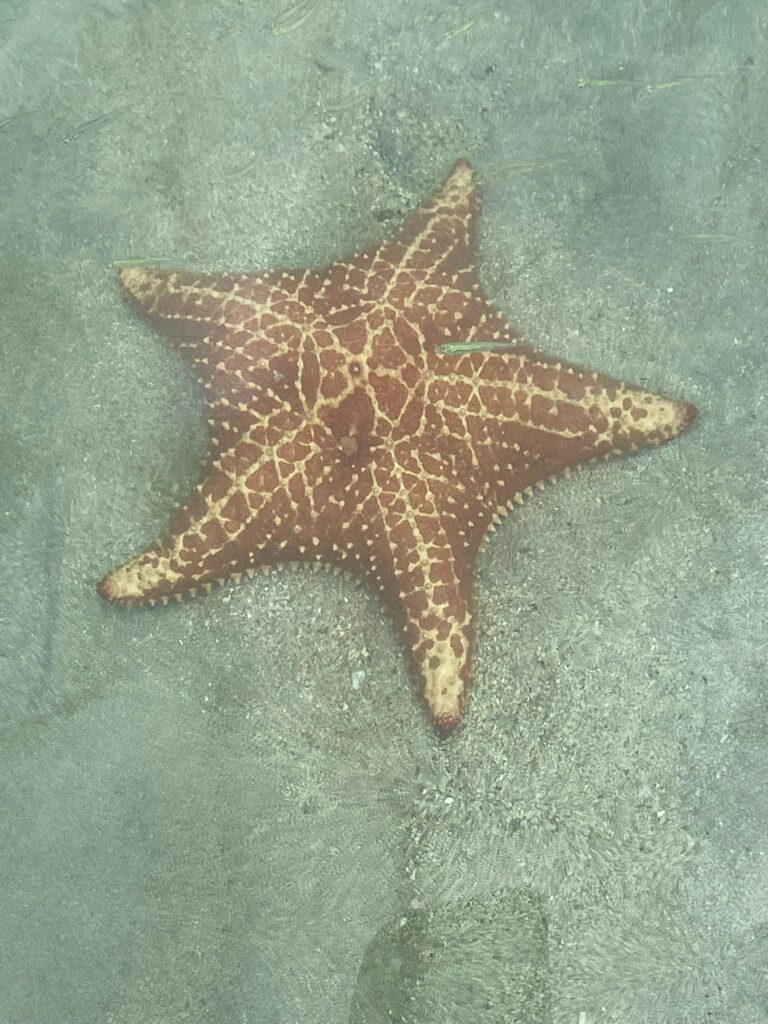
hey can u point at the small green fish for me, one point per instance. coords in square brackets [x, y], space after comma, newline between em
[454, 348]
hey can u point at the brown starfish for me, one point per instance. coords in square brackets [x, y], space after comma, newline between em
[379, 417]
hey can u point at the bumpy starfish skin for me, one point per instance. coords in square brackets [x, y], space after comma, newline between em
[343, 436]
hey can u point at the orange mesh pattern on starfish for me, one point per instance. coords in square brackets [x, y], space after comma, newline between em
[343, 436]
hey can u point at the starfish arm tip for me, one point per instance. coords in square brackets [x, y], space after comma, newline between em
[108, 588]
[446, 723]
[674, 417]
[134, 279]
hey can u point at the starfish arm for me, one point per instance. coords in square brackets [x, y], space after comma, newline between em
[522, 418]
[208, 315]
[186, 557]
[436, 242]
[200, 548]
[243, 334]
[251, 511]
[433, 601]
[425, 276]
[418, 561]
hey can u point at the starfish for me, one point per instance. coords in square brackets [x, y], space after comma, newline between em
[376, 417]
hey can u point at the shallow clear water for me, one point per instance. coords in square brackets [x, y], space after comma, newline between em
[235, 809]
